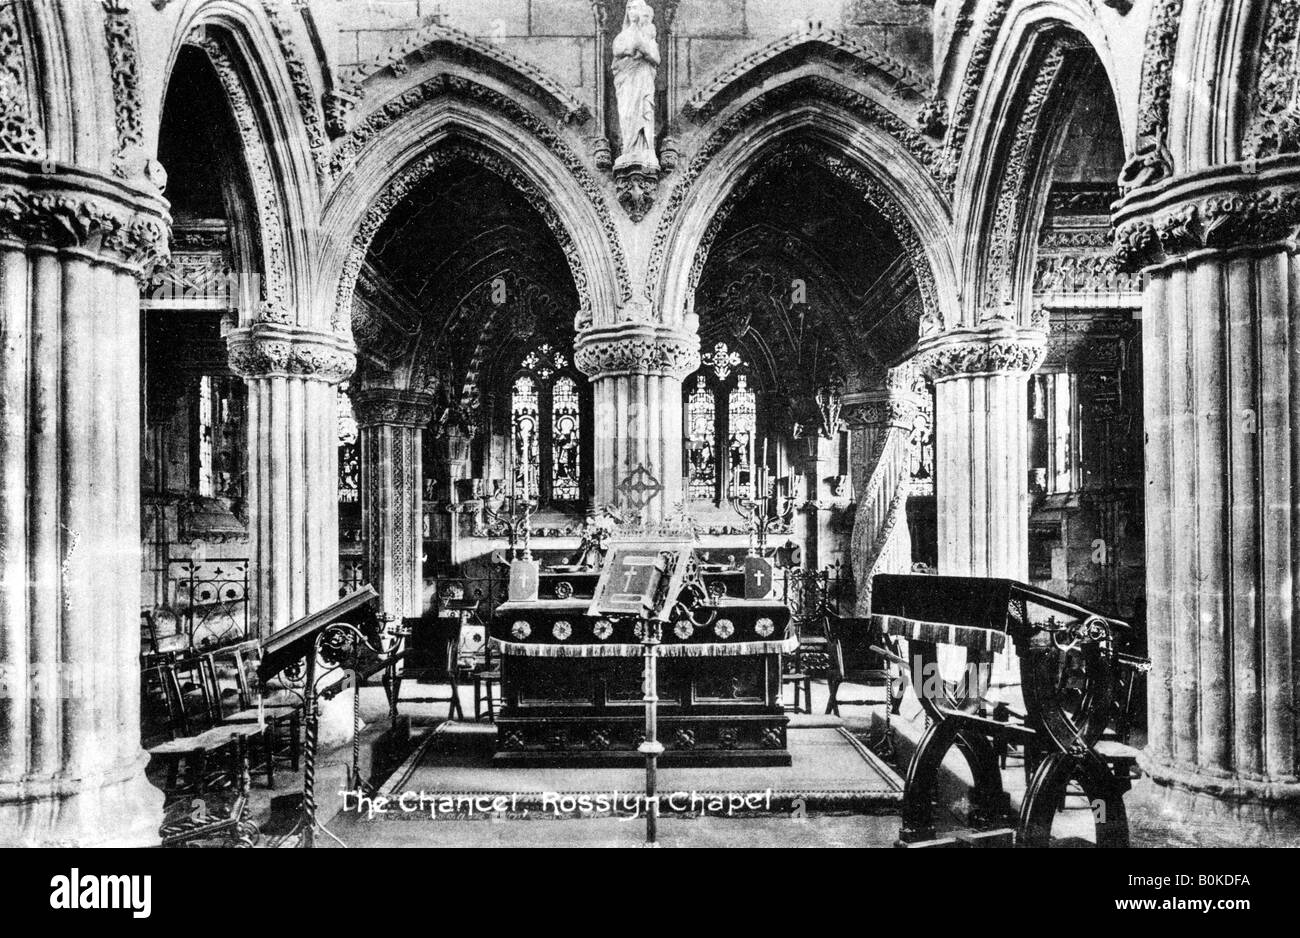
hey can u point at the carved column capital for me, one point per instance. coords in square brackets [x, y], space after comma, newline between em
[69, 208]
[1224, 208]
[636, 348]
[392, 407]
[273, 350]
[963, 353]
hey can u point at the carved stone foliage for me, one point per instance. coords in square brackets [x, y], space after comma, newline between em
[1013, 189]
[813, 88]
[20, 135]
[963, 111]
[804, 153]
[711, 95]
[1275, 118]
[1246, 214]
[636, 351]
[411, 176]
[975, 354]
[349, 147]
[45, 209]
[303, 91]
[266, 195]
[392, 407]
[1151, 162]
[124, 66]
[266, 350]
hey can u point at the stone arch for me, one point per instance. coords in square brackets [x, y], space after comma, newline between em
[1001, 175]
[871, 192]
[274, 143]
[1235, 97]
[871, 147]
[450, 117]
[998, 40]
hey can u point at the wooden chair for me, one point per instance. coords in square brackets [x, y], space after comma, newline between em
[429, 657]
[222, 818]
[486, 680]
[480, 670]
[798, 677]
[184, 728]
[243, 699]
[157, 646]
[853, 662]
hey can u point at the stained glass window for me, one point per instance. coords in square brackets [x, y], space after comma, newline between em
[702, 441]
[721, 407]
[546, 426]
[523, 422]
[741, 421]
[566, 439]
[920, 455]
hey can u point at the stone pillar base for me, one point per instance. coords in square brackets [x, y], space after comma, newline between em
[1169, 814]
[104, 812]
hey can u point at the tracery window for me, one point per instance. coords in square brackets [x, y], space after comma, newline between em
[720, 405]
[702, 472]
[546, 435]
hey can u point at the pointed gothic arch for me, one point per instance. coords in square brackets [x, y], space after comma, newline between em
[876, 151]
[453, 117]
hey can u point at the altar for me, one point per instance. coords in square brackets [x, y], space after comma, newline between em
[572, 681]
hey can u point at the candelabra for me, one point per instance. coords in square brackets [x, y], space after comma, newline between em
[762, 512]
[514, 514]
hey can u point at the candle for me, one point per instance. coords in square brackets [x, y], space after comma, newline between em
[261, 711]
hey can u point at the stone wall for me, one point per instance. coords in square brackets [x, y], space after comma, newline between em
[559, 35]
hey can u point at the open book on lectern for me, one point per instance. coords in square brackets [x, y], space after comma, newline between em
[641, 578]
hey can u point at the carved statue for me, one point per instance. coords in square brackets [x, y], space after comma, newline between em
[636, 62]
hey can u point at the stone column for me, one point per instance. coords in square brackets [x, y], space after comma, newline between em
[391, 424]
[292, 466]
[71, 766]
[1221, 389]
[981, 450]
[636, 369]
